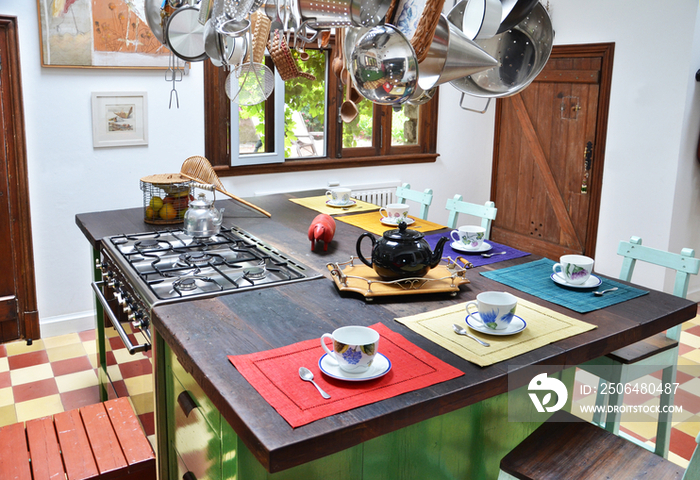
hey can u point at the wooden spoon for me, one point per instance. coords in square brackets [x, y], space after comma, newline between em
[348, 110]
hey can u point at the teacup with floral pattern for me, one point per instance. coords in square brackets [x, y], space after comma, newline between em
[574, 269]
[496, 309]
[354, 347]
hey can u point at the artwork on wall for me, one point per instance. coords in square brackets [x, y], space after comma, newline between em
[119, 119]
[98, 33]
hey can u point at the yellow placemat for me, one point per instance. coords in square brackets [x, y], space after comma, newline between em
[371, 222]
[319, 204]
[544, 326]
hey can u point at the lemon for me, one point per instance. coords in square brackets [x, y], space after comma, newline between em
[156, 203]
[150, 213]
[167, 212]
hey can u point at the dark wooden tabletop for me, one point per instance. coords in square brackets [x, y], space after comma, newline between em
[203, 332]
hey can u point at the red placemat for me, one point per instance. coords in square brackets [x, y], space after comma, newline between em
[275, 375]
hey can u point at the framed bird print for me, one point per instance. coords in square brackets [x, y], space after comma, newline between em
[119, 119]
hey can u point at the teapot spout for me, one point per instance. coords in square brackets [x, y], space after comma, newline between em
[437, 253]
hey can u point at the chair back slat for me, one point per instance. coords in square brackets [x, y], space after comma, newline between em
[425, 198]
[487, 212]
[685, 264]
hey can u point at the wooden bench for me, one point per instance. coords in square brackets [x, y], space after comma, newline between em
[102, 441]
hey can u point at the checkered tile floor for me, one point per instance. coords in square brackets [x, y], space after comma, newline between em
[686, 425]
[58, 374]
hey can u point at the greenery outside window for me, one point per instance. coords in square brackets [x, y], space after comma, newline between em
[298, 128]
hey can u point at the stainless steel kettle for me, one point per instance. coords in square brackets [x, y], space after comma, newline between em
[202, 218]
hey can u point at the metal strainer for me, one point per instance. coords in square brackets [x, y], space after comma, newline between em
[250, 83]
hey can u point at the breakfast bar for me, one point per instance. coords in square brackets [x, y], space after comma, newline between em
[209, 416]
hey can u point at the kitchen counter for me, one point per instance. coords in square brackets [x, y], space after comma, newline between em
[201, 333]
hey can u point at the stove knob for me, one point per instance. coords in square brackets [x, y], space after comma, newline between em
[118, 296]
[102, 266]
[127, 309]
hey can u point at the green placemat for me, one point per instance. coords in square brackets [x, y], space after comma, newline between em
[535, 278]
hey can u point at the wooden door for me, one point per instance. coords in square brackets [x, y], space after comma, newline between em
[548, 155]
[18, 315]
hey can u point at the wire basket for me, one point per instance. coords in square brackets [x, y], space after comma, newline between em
[166, 197]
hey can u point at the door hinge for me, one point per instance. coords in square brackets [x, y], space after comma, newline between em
[587, 162]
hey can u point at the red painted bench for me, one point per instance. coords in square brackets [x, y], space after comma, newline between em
[101, 441]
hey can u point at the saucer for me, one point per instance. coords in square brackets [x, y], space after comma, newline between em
[516, 325]
[485, 247]
[386, 221]
[380, 367]
[331, 203]
[592, 282]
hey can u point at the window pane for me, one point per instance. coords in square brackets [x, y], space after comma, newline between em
[358, 133]
[305, 111]
[404, 125]
[251, 129]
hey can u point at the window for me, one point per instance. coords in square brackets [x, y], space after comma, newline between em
[299, 127]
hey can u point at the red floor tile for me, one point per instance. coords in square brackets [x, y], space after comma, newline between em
[682, 377]
[28, 359]
[682, 444]
[87, 335]
[694, 330]
[148, 423]
[3, 351]
[5, 380]
[136, 368]
[80, 398]
[121, 389]
[32, 390]
[690, 402]
[111, 359]
[683, 349]
[70, 365]
[116, 343]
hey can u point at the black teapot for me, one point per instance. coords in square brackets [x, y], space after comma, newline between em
[401, 253]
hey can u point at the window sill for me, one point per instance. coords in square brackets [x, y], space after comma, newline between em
[302, 165]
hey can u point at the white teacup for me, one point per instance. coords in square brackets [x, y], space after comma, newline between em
[471, 236]
[395, 212]
[354, 347]
[574, 269]
[339, 196]
[496, 309]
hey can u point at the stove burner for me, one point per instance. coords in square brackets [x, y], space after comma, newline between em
[255, 273]
[195, 258]
[187, 284]
[149, 243]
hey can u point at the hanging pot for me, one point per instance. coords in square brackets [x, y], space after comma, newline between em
[522, 53]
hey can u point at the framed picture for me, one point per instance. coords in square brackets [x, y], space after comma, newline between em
[98, 34]
[119, 119]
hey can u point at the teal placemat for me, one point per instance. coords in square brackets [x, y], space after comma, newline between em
[535, 278]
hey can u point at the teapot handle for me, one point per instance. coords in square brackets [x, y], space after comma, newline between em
[357, 247]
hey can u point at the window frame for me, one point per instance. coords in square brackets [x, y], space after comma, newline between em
[217, 133]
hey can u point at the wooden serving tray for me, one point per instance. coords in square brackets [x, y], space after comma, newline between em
[355, 276]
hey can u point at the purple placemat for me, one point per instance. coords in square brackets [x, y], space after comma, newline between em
[475, 258]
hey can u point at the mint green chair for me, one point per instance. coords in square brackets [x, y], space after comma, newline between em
[659, 352]
[487, 212]
[425, 198]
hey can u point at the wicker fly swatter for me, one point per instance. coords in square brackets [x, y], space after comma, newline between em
[200, 170]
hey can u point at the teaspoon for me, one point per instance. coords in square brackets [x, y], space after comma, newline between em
[461, 331]
[488, 255]
[307, 376]
[600, 294]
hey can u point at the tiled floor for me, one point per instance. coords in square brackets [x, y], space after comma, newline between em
[686, 425]
[58, 374]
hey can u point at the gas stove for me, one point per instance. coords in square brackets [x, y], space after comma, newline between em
[147, 269]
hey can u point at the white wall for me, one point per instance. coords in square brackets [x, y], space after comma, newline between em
[652, 137]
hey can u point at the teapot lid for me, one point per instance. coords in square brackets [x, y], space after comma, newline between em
[402, 233]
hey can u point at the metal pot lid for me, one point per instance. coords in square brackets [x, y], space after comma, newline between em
[185, 35]
[402, 234]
